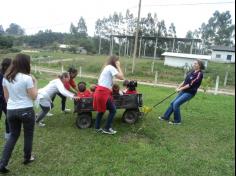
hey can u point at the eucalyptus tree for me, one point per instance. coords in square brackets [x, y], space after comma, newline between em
[219, 30]
[1, 30]
[15, 30]
[82, 28]
[172, 31]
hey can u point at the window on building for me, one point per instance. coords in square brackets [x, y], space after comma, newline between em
[229, 57]
[218, 56]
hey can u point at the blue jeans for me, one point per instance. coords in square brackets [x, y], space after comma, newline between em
[63, 100]
[43, 113]
[16, 118]
[112, 111]
[181, 98]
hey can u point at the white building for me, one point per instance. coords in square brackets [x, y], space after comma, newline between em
[223, 54]
[183, 60]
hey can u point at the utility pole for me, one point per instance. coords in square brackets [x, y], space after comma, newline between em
[136, 37]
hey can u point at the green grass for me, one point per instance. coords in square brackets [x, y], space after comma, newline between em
[203, 144]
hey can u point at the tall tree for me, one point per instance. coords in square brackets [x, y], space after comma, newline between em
[172, 30]
[161, 29]
[1, 30]
[82, 28]
[73, 29]
[219, 30]
[15, 30]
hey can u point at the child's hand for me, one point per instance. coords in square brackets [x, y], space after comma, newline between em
[76, 98]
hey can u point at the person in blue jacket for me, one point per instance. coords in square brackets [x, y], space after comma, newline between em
[186, 91]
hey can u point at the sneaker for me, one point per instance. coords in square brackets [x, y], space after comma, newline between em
[109, 131]
[174, 123]
[162, 118]
[27, 161]
[41, 124]
[49, 114]
[98, 130]
[66, 110]
[4, 170]
[7, 136]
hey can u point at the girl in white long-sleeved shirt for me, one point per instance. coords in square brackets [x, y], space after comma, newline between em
[51, 89]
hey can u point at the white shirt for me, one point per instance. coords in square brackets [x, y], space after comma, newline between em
[55, 86]
[106, 77]
[17, 90]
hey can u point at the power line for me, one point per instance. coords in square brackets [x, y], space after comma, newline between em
[186, 4]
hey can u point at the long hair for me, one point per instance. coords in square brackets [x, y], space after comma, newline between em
[201, 64]
[20, 64]
[6, 62]
[112, 60]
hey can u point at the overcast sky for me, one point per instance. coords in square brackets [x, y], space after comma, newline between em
[35, 15]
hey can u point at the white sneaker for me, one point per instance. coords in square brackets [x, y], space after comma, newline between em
[66, 110]
[49, 114]
[109, 131]
[174, 123]
[40, 124]
[7, 136]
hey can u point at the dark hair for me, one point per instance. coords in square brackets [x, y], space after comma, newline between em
[82, 86]
[201, 64]
[6, 62]
[92, 87]
[20, 64]
[125, 83]
[115, 88]
[63, 75]
[72, 70]
[112, 60]
[132, 85]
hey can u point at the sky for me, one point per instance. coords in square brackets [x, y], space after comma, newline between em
[35, 15]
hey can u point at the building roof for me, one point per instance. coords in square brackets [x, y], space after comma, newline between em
[187, 56]
[223, 48]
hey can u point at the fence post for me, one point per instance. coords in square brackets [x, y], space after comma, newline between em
[156, 76]
[217, 85]
[49, 62]
[62, 69]
[226, 78]
[35, 69]
[80, 71]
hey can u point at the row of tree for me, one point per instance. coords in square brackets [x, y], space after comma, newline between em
[218, 31]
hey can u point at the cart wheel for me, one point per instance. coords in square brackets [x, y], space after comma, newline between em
[84, 120]
[130, 116]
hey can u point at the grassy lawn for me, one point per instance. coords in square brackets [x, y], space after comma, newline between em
[203, 144]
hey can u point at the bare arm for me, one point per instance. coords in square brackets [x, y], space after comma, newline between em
[33, 92]
[6, 94]
[182, 88]
[180, 85]
[120, 74]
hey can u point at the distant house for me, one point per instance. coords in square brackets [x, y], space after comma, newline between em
[63, 46]
[223, 54]
[183, 60]
[82, 50]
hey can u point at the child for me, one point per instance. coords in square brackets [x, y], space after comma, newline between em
[125, 84]
[131, 87]
[83, 93]
[92, 88]
[116, 90]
